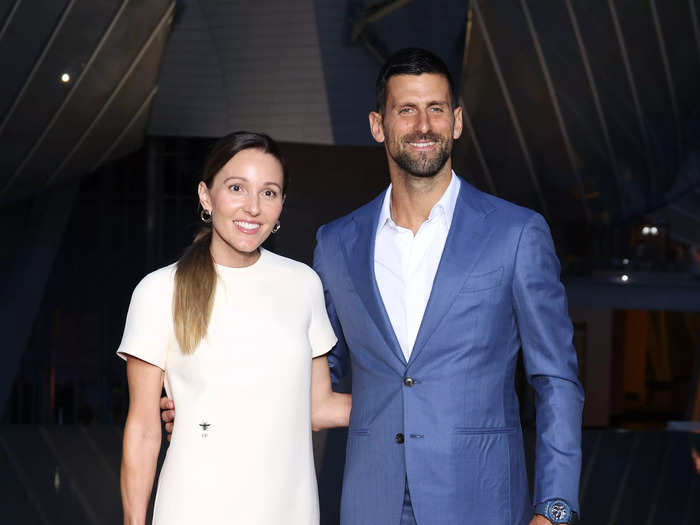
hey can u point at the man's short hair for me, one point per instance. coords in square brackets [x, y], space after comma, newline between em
[411, 61]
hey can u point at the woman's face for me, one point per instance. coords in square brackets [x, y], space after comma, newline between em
[245, 200]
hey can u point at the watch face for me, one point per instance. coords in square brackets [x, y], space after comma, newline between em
[558, 511]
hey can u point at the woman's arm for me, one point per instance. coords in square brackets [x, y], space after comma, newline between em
[142, 439]
[328, 409]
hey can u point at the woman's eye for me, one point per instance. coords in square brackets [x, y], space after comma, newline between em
[235, 187]
[270, 194]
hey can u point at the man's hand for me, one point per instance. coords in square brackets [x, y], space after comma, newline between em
[537, 519]
[167, 414]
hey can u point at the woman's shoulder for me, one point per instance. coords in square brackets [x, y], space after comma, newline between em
[290, 267]
[160, 280]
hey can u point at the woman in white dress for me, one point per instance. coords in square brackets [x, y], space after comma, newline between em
[238, 337]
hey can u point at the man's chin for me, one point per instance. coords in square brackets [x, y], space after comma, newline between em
[423, 166]
[424, 169]
[423, 175]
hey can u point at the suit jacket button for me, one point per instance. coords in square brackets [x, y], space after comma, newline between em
[409, 381]
[399, 438]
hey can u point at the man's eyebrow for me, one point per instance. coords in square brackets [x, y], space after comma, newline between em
[414, 105]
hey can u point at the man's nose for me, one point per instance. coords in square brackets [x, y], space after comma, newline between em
[423, 122]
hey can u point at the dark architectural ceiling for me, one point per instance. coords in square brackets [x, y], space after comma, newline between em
[588, 111]
[79, 77]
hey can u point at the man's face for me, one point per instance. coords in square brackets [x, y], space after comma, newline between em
[419, 125]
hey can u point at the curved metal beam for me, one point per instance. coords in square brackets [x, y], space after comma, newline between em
[511, 108]
[694, 21]
[465, 113]
[142, 107]
[684, 212]
[374, 13]
[557, 109]
[37, 64]
[63, 105]
[596, 102]
[9, 18]
[669, 77]
[479, 151]
[167, 17]
[635, 94]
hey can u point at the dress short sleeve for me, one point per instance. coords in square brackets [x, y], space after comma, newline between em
[148, 328]
[321, 335]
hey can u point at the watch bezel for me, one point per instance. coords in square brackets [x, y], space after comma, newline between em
[545, 509]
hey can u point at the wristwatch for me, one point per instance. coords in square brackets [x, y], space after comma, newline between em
[556, 510]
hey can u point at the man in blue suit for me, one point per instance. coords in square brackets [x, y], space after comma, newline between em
[433, 288]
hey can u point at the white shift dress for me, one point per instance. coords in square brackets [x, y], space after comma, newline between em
[241, 449]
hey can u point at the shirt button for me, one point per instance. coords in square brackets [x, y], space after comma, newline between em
[409, 381]
[399, 438]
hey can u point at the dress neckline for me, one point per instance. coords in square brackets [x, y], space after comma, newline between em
[232, 270]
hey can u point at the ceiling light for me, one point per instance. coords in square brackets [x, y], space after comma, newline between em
[624, 278]
[65, 78]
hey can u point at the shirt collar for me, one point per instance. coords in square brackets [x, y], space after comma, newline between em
[444, 208]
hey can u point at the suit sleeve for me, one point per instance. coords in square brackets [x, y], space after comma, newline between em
[550, 364]
[338, 359]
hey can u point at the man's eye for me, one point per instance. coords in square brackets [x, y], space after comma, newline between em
[406, 111]
[436, 109]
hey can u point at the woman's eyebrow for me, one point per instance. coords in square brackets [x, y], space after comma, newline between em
[232, 177]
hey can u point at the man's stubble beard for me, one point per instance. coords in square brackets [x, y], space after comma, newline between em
[422, 164]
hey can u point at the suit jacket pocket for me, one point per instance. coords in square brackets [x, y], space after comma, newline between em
[481, 462]
[485, 430]
[478, 282]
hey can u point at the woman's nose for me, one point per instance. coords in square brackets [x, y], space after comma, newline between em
[252, 205]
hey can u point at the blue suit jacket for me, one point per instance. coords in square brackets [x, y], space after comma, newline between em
[496, 290]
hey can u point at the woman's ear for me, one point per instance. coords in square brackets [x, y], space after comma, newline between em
[204, 196]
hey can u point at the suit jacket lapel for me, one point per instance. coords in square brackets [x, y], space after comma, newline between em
[465, 241]
[358, 244]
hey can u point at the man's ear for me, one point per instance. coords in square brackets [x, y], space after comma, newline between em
[375, 126]
[457, 131]
[204, 196]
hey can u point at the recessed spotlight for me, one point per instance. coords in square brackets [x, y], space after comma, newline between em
[654, 230]
[624, 278]
[646, 230]
[625, 261]
[65, 78]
